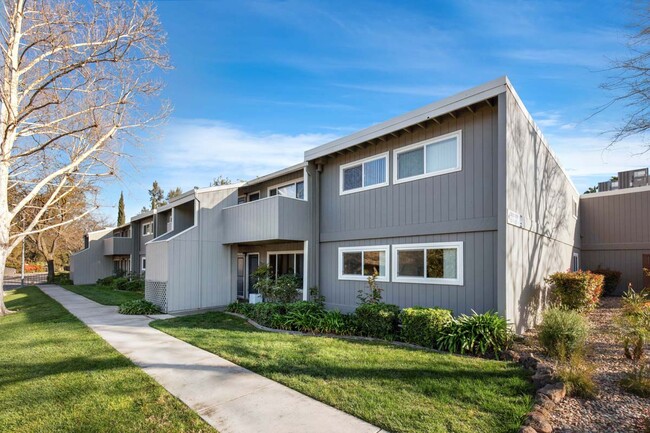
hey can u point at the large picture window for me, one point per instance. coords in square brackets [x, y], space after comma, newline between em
[433, 157]
[436, 263]
[289, 262]
[364, 174]
[358, 263]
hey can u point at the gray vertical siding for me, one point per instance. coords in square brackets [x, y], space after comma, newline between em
[87, 266]
[477, 293]
[263, 187]
[615, 232]
[459, 206]
[538, 189]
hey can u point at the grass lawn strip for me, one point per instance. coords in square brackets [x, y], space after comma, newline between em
[56, 375]
[398, 389]
[104, 295]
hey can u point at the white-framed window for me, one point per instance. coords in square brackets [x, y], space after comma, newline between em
[427, 158]
[575, 209]
[241, 199]
[147, 229]
[253, 196]
[286, 262]
[358, 263]
[143, 263]
[293, 189]
[575, 262]
[367, 173]
[430, 263]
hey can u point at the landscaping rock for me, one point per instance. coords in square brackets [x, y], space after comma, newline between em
[541, 378]
[556, 392]
[527, 429]
[529, 361]
[542, 410]
[539, 422]
[510, 355]
[543, 401]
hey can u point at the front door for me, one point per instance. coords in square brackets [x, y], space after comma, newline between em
[241, 267]
[253, 263]
[646, 271]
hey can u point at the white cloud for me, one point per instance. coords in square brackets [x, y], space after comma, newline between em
[193, 151]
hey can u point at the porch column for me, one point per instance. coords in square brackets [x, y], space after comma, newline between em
[305, 272]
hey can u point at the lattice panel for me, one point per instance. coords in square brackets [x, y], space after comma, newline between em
[156, 293]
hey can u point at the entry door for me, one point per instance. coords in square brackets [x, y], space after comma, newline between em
[646, 265]
[241, 268]
[253, 264]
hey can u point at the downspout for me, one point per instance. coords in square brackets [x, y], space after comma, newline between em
[198, 227]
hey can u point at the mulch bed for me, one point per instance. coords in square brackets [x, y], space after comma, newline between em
[613, 410]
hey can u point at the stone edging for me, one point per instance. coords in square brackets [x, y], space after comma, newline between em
[550, 392]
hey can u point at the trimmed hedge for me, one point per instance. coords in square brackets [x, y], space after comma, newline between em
[107, 281]
[422, 326]
[612, 278]
[563, 333]
[138, 306]
[578, 290]
[377, 320]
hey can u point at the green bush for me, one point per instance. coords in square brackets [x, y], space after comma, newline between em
[377, 320]
[62, 278]
[265, 312]
[422, 326]
[139, 306]
[335, 322]
[243, 308]
[107, 281]
[611, 280]
[135, 285]
[304, 316]
[120, 283]
[285, 288]
[478, 334]
[576, 290]
[563, 333]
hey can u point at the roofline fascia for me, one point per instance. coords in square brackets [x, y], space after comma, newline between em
[615, 192]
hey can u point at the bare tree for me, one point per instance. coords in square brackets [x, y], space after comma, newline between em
[630, 83]
[77, 84]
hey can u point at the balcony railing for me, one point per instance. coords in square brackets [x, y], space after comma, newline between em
[118, 246]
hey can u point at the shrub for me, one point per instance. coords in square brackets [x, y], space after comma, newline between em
[635, 303]
[316, 296]
[611, 280]
[61, 278]
[563, 333]
[422, 326]
[577, 375]
[107, 281]
[302, 316]
[377, 320]
[374, 291]
[263, 281]
[243, 308]
[335, 322]
[637, 382]
[264, 312]
[285, 288]
[576, 290]
[120, 283]
[478, 334]
[139, 306]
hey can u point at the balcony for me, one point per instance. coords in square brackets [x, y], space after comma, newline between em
[274, 218]
[118, 246]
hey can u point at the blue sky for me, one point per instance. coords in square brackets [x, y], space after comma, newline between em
[255, 83]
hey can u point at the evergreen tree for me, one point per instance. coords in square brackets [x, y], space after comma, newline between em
[156, 195]
[173, 193]
[121, 217]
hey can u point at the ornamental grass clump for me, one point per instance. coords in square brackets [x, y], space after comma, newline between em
[563, 332]
[478, 334]
[578, 290]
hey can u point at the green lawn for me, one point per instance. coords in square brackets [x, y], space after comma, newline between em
[104, 295]
[56, 375]
[398, 389]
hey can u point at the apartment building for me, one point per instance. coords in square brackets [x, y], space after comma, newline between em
[459, 204]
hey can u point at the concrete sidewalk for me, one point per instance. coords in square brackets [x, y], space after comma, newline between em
[228, 397]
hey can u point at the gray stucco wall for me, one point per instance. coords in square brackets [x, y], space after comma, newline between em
[459, 206]
[536, 188]
[615, 232]
[90, 264]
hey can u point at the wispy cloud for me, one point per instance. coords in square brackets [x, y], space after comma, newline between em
[437, 91]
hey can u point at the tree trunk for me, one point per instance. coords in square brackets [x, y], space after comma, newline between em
[50, 270]
[3, 260]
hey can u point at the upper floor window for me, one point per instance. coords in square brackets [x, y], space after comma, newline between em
[365, 174]
[575, 262]
[293, 190]
[436, 263]
[253, 196]
[432, 157]
[147, 229]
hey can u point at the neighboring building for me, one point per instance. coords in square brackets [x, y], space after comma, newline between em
[459, 204]
[625, 180]
[615, 233]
